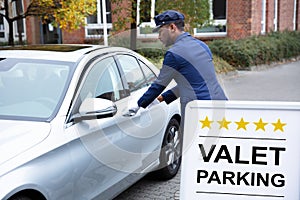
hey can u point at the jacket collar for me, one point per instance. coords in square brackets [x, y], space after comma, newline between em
[183, 35]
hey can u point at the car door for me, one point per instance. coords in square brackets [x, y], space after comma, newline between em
[149, 123]
[109, 153]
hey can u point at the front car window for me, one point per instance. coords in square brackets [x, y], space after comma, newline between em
[150, 76]
[133, 73]
[32, 89]
[102, 81]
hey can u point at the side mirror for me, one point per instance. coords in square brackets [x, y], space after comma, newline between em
[95, 108]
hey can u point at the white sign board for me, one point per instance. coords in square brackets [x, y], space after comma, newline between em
[240, 150]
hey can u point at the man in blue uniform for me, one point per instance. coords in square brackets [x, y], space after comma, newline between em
[188, 61]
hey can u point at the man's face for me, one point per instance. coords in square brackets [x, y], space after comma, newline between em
[164, 35]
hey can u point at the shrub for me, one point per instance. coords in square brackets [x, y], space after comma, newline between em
[257, 50]
[153, 54]
[221, 66]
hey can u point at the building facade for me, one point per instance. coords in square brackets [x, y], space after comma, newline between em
[234, 19]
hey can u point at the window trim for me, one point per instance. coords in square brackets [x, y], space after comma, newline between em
[275, 22]
[98, 25]
[140, 61]
[217, 22]
[3, 28]
[16, 35]
[79, 84]
[142, 25]
[264, 17]
[123, 73]
[295, 16]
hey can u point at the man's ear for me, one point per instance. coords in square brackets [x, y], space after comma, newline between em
[173, 27]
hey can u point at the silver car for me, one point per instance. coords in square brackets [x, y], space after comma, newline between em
[66, 131]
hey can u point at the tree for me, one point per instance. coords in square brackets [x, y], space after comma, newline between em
[196, 14]
[125, 12]
[67, 14]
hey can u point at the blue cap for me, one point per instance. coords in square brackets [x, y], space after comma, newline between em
[167, 17]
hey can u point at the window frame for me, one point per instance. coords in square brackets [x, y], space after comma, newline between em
[263, 17]
[149, 82]
[145, 25]
[275, 22]
[22, 21]
[3, 28]
[80, 84]
[150, 25]
[146, 82]
[99, 25]
[222, 22]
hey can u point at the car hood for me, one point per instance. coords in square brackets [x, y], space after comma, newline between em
[19, 136]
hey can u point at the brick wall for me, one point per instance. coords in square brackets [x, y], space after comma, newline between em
[33, 34]
[256, 17]
[243, 20]
[238, 18]
[78, 36]
[125, 4]
[244, 17]
[73, 37]
[32, 28]
[270, 26]
[286, 12]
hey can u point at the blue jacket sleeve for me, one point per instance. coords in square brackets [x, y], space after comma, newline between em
[165, 76]
[171, 95]
[147, 98]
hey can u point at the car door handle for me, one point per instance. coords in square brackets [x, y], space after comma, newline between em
[129, 113]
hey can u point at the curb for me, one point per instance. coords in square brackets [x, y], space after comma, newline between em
[235, 73]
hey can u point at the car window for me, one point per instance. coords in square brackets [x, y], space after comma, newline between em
[103, 81]
[150, 76]
[32, 89]
[133, 73]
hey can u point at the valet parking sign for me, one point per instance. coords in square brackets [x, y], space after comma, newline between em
[241, 150]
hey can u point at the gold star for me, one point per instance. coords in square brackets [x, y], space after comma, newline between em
[224, 123]
[242, 124]
[260, 125]
[278, 125]
[206, 122]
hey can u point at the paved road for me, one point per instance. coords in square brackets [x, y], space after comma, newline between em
[278, 83]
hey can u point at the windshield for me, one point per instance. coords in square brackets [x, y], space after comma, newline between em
[32, 89]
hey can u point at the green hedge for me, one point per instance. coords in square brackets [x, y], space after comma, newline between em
[257, 50]
[152, 53]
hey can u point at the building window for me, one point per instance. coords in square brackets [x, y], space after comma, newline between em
[295, 16]
[219, 9]
[275, 15]
[263, 17]
[19, 26]
[2, 30]
[218, 18]
[95, 23]
[145, 18]
[145, 10]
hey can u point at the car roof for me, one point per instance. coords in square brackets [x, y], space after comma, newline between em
[69, 53]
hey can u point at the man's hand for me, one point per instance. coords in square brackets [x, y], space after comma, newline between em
[153, 103]
[160, 98]
[134, 109]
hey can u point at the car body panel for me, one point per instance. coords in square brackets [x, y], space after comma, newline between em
[23, 135]
[87, 159]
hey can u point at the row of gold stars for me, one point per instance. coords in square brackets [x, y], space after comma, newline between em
[242, 124]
